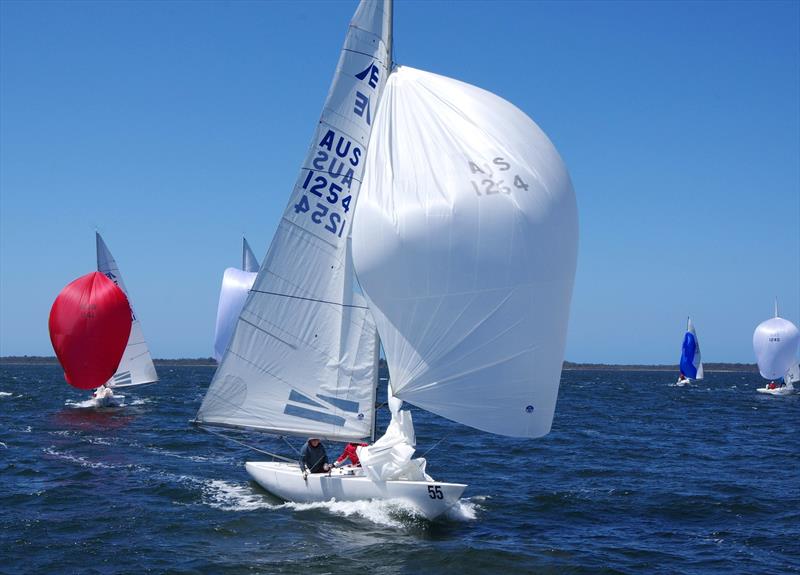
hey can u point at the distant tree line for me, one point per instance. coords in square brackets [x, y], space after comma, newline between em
[210, 361]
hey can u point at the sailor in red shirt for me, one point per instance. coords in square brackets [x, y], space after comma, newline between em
[350, 452]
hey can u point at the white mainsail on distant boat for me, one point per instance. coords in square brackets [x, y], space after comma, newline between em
[691, 365]
[775, 343]
[136, 366]
[249, 259]
[236, 284]
[465, 243]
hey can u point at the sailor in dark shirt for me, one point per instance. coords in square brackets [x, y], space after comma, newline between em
[313, 458]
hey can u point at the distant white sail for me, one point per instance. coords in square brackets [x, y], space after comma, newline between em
[793, 375]
[775, 343]
[465, 244]
[249, 259]
[303, 356]
[136, 366]
[236, 286]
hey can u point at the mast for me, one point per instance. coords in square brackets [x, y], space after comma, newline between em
[390, 39]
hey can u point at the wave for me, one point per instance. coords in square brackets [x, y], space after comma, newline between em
[5, 394]
[82, 461]
[226, 496]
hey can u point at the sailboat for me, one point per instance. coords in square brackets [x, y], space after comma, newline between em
[691, 366]
[775, 343]
[236, 284]
[465, 244]
[136, 366]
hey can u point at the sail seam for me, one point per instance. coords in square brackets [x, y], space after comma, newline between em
[310, 299]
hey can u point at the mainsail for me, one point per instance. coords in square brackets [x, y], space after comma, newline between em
[691, 365]
[249, 260]
[136, 366]
[775, 343]
[236, 284]
[303, 356]
[465, 244]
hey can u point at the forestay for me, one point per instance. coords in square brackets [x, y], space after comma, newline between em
[465, 245]
[691, 364]
[303, 357]
[136, 366]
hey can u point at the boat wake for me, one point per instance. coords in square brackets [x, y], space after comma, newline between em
[232, 497]
[227, 496]
[94, 403]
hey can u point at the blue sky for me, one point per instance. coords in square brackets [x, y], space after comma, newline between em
[174, 127]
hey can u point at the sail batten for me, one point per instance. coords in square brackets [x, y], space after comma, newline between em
[303, 330]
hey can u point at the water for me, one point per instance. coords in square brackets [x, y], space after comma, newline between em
[637, 476]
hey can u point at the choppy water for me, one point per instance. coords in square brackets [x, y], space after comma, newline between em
[637, 476]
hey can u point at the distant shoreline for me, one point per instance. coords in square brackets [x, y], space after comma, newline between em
[568, 365]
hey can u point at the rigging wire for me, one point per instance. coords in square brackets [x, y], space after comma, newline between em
[438, 442]
[242, 443]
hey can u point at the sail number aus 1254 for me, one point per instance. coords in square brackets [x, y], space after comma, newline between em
[484, 182]
[332, 193]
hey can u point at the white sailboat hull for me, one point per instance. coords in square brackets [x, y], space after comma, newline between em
[788, 389]
[350, 484]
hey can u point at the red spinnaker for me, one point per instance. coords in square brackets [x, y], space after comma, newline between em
[90, 323]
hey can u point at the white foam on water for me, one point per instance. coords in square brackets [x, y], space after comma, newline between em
[140, 401]
[5, 394]
[94, 402]
[98, 441]
[226, 496]
[388, 512]
[466, 509]
[3, 445]
[82, 461]
[195, 458]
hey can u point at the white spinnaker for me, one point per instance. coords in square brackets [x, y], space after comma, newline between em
[465, 244]
[249, 260]
[303, 356]
[136, 366]
[236, 286]
[775, 343]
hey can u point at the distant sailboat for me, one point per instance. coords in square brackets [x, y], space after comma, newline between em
[236, 284]
[465, 242]
[775, 343]
[136, 366]
[691, 365]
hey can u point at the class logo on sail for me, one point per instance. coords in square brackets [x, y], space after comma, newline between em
[322, 402]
